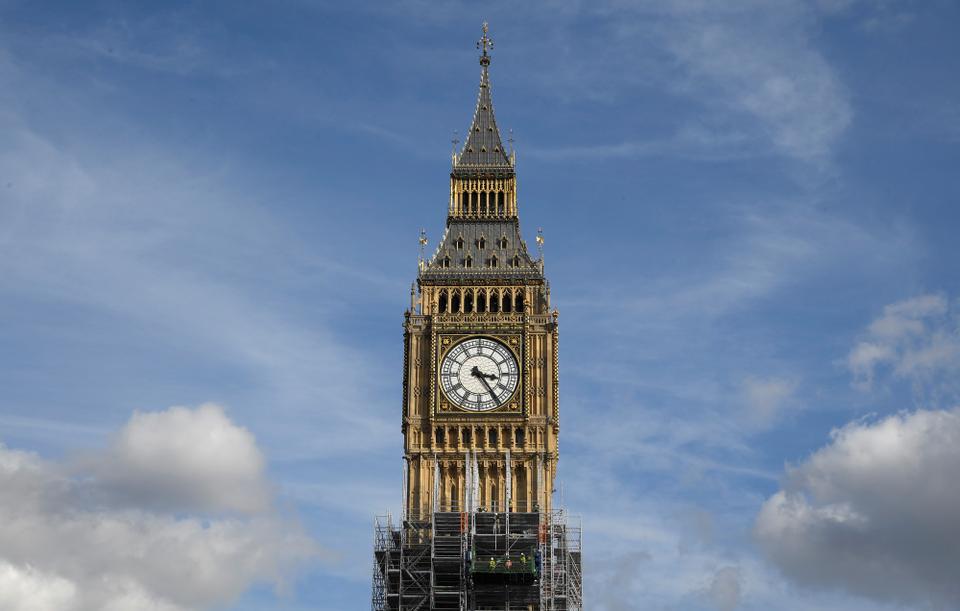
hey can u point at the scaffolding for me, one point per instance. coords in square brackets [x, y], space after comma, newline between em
[478, 560]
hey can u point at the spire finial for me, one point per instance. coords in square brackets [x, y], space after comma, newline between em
[484, 44]
[423, 244]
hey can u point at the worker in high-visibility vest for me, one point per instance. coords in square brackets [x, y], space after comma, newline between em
[523, 560]
[493, 563]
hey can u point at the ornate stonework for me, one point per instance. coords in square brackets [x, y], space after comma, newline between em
[481, 282]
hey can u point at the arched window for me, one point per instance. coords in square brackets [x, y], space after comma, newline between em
[519, 438]
[519, 303]
[500, 210]
[495, 302]
[507, 302]
[466, 436]
[481, 243]
[455, 303]
[491, 437]
[493, 261]
[459, 243]
[481, 301]
[468, 302]
[473, 202]
[516, 260]
[483, 202]
[464, 201]
[445, 262]
[503, 242]
[468, 262]
[442, 302]
[439, 434]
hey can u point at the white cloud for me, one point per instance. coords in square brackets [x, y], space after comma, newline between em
[760, 60]
[876, 512]
[26, 589]
[183, 457]
[752, 71]
[916, 339]
[68, 543]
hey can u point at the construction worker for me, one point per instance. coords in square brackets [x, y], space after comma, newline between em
[508, 563]
[523, 560]
[493, 563]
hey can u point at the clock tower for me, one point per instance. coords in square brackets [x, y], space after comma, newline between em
[480, 344]
[480, 416]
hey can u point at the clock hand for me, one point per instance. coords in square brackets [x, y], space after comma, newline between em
[475, 372]
[490, 390]
[483, 379]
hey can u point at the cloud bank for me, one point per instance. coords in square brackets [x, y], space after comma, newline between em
[876, 512]
[174, 515]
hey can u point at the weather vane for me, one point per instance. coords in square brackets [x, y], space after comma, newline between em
[485, 43]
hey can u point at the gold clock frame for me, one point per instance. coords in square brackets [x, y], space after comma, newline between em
[446, 342]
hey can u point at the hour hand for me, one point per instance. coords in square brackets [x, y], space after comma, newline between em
[475, 372]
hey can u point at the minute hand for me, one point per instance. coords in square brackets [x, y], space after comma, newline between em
[483, 378]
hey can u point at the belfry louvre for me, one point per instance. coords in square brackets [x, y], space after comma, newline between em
[478, 528]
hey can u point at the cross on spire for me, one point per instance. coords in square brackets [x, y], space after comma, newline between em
[484, 44]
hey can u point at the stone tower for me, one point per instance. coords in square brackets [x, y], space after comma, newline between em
[480, 414]
[480, 353]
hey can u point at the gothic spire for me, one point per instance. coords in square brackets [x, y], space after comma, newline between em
[483, 149]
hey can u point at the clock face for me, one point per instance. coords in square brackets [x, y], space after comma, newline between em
[479, 374]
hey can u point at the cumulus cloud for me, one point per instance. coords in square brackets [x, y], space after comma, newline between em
[184, 458]
[917, 339]
[84, 537]
[876, 512]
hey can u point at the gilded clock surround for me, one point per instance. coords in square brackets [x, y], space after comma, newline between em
[513, 342]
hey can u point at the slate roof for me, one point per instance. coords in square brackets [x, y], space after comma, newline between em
[482, 154]
[492, 232]
[483, 150]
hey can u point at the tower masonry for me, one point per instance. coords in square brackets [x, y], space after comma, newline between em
[481, 417]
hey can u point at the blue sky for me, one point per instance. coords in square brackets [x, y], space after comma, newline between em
[750, 213]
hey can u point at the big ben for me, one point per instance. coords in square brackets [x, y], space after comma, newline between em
[480, 418]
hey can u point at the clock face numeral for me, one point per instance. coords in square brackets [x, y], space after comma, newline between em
[479, 374]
